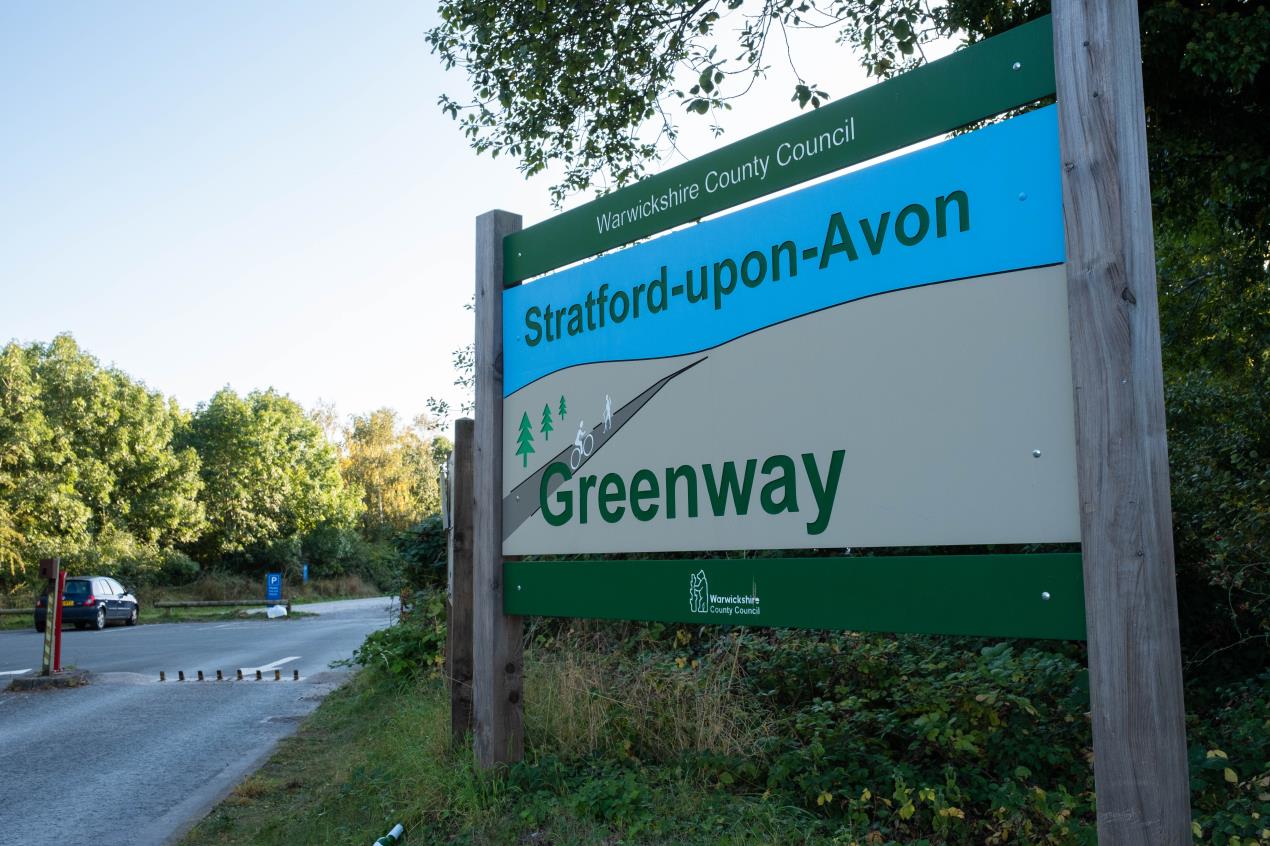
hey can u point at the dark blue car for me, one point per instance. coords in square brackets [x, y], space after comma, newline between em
[93, 601]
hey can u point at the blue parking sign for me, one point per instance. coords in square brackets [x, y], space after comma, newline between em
[273, 586]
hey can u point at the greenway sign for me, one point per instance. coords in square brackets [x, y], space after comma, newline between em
[956, 347]
[877, 360]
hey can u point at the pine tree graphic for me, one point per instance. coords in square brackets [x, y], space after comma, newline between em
[546, 422]
[562, 407]
[525, 440]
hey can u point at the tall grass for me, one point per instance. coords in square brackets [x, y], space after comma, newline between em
[215, 585]
[581, 703]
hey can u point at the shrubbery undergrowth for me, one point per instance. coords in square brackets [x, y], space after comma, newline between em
[652, 733]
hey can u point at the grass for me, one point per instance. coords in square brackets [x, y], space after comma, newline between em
[170, 615]
[210, 615]
[610, 747]
[657, 735]
[214, 587]
[15, 621]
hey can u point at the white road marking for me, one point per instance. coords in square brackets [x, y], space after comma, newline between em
[273, 666]
[14, 672]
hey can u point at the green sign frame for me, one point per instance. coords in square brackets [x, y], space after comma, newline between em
[982, 80]
[1039, 595]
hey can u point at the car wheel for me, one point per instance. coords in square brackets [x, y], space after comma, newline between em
[132, 618]
[100, 623]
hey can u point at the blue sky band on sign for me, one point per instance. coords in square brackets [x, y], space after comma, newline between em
[931, 215]
[718, 280]
[785, 153]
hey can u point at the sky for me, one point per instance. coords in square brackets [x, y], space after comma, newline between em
[263, 194]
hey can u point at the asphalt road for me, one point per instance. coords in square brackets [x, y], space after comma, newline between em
[130, 760]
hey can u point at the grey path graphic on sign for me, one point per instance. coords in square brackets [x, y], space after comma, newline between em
[522, 502]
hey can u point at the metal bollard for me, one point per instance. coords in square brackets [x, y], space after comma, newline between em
[162, 677]
[200, 675]
[240, 675]
[180, 675]
[219, 676]
[295, 675]
[258, 676]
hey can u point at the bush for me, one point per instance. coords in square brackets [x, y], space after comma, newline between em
[413, 647]
[134, 562]
[1230, 765]
[334, 551]
[1219, 437]
[913, 736]
[329, 549]
[424, 551]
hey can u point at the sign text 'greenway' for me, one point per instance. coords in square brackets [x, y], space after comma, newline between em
[677, 493]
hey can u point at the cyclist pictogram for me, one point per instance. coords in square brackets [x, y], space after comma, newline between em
[583, 446]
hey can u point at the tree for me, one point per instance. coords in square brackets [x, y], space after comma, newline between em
[441, 448]
[526, 439]
[89, 469]
[575, 84]
[37, 500]
[546, 422]
[595, 87]
[563, 409]
[269, 476]
[395, 467]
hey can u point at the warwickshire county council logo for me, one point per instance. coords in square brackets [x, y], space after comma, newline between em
[698, 593]
[702, 601]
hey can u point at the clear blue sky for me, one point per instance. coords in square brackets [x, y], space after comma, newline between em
[253, 194]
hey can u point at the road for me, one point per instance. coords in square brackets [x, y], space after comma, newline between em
[131, 760]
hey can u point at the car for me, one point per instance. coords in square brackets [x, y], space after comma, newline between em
[95, 601]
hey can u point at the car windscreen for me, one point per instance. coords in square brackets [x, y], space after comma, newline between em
[76, 587]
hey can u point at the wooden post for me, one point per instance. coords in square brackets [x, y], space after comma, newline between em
[1135, 664]
[51, 569]
[496, 648]
[458, 633]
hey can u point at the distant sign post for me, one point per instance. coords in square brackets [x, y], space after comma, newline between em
[959, 346]
[51, 569]
[273, 586]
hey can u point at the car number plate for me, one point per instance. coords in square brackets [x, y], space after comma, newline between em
[67, 602]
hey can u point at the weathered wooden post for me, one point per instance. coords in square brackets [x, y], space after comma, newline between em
[458, 639]
[496, 645]
[1135, 665]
